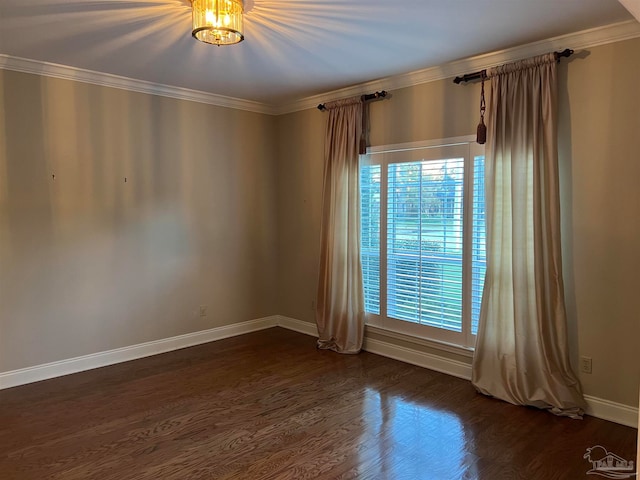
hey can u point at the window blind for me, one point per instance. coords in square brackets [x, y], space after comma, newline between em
[424, 242]
[370, 235]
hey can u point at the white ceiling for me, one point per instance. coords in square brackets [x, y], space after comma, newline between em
[293, 48]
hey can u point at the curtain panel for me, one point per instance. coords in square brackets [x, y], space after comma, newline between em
[340, 299]
[522, 353]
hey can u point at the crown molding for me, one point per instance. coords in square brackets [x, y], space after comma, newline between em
[593, 37]
[47, 69]
[580, 40]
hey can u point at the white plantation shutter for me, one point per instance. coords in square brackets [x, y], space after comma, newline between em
[478, 243]
[370, 234]
[423, 240]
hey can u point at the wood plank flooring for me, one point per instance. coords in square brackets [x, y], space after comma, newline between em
[268, 405]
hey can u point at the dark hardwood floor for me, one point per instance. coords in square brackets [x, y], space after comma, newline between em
[268, 405]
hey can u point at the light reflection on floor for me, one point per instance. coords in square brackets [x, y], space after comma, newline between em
[410, 440]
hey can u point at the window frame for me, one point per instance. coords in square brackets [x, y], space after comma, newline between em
[462, 147]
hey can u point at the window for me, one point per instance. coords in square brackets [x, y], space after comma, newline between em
[423, 238]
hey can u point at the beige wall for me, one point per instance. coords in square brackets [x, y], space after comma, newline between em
[300, 143]
[600, 129]
[90, 263]
[434, 110]
[600, 167]
[222, 208]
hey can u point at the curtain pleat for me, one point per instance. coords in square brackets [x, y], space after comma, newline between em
[522, 353]
[340, 299]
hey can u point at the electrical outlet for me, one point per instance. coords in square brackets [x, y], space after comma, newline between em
[585, 364]
[203, 310]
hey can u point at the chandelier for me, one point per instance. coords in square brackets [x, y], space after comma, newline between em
[218, 22]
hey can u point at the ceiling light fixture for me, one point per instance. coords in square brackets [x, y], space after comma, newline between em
[218, 22]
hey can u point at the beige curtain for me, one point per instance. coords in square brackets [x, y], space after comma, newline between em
[340, 300]
[521, 351]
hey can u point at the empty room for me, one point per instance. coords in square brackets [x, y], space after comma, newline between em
[328, 239]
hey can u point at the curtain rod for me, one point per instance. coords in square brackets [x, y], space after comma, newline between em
[364, 98]
[475, 75]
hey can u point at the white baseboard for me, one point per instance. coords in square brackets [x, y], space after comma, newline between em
[596, 407]
[298, 325]
[421, 359]
[102, 359]
[403, 354]
[612, 411]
